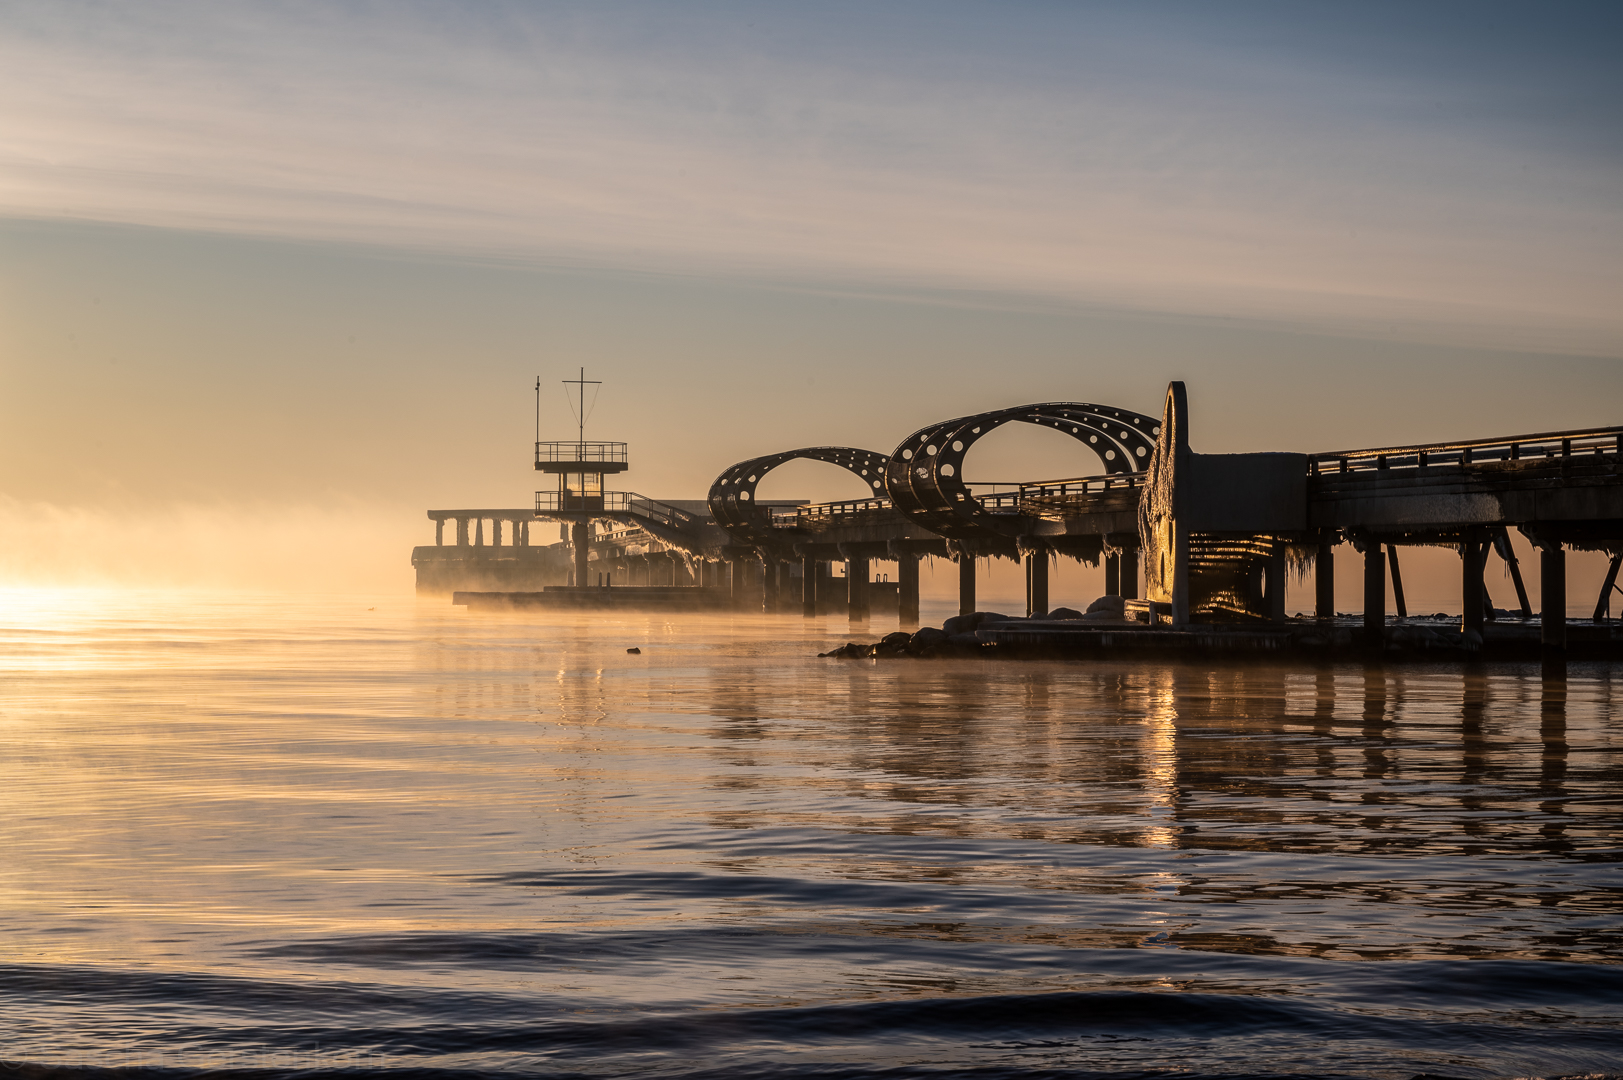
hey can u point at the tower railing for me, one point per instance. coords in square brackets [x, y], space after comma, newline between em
[572, 450]
[611, 502]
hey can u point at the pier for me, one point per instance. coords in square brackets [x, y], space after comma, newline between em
[1191, 543]
[1212, 534]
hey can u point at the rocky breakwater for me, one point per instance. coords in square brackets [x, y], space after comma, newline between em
[969, 634]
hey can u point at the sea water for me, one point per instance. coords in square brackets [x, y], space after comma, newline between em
[277, 835]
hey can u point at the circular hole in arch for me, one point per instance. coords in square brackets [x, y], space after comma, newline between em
[1110, 455]
[744, 495]
[947, 470]
[1124, 435]
[1142, 451]
[1073, 431]
[876, 484]
[907, 455]
[1155, 430]
[1093, 438]
[957, 444]
[975, 431]
[930, 449]
[752, 478]
[864, 472]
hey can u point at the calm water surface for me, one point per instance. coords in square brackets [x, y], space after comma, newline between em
[279, 835]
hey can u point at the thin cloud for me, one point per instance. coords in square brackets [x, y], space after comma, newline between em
[1143, 170]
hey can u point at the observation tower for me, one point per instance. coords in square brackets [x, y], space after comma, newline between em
[580, 467]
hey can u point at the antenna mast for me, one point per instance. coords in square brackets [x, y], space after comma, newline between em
[583, 382]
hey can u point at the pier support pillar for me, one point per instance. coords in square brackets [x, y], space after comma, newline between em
[1324, 579]
[1374, 594]
[856, 589]
[808, 587]
[769, 585]
[1397, 581]
[522, 539]
[1552, 598]
[907, 591]
[1037, 582]
[1128, 581]
[478, 532]
[461, 532]
[1113, 575]
[1273, 586]
[439, 532]
[495, 532]
[578, 534]
[1471, 598]
[966, 583]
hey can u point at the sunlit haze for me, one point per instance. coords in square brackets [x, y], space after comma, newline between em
[277, 278]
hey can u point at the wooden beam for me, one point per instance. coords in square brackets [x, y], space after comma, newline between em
[1397, 581]
[1604, 602]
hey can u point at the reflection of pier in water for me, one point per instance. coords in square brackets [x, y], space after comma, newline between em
[1265, 759]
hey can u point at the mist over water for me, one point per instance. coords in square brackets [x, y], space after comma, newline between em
[261, 832]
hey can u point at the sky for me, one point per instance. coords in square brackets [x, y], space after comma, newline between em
[279, 277]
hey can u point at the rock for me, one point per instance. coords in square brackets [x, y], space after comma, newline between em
[1064, 613]
[1117, 604]
[893, 644]
[968, 640]
[634, 651]
[1105, 615]
[926, 641]
[851, 650]
[965, 624]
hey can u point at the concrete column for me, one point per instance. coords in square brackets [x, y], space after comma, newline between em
[856, 589]
[1552, 600]
[461, 532]
[771, 587]
[1324, 579]
[1037, 582]
[523, 537]
[439, 532]
[907, 589]
[1374, 594]
[740, 583]
[808, 586]
[1112, 575]
[1274, 582]
[478, 532]
[966, 584]
[1471, 581]
[579, 534]
[1129, 574]
[496, 532]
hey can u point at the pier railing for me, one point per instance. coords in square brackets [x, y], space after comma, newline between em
[789, 517]
[1545, 446]
[1036, 496]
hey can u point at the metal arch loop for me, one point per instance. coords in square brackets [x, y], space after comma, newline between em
[924, 476]
[732, 495]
